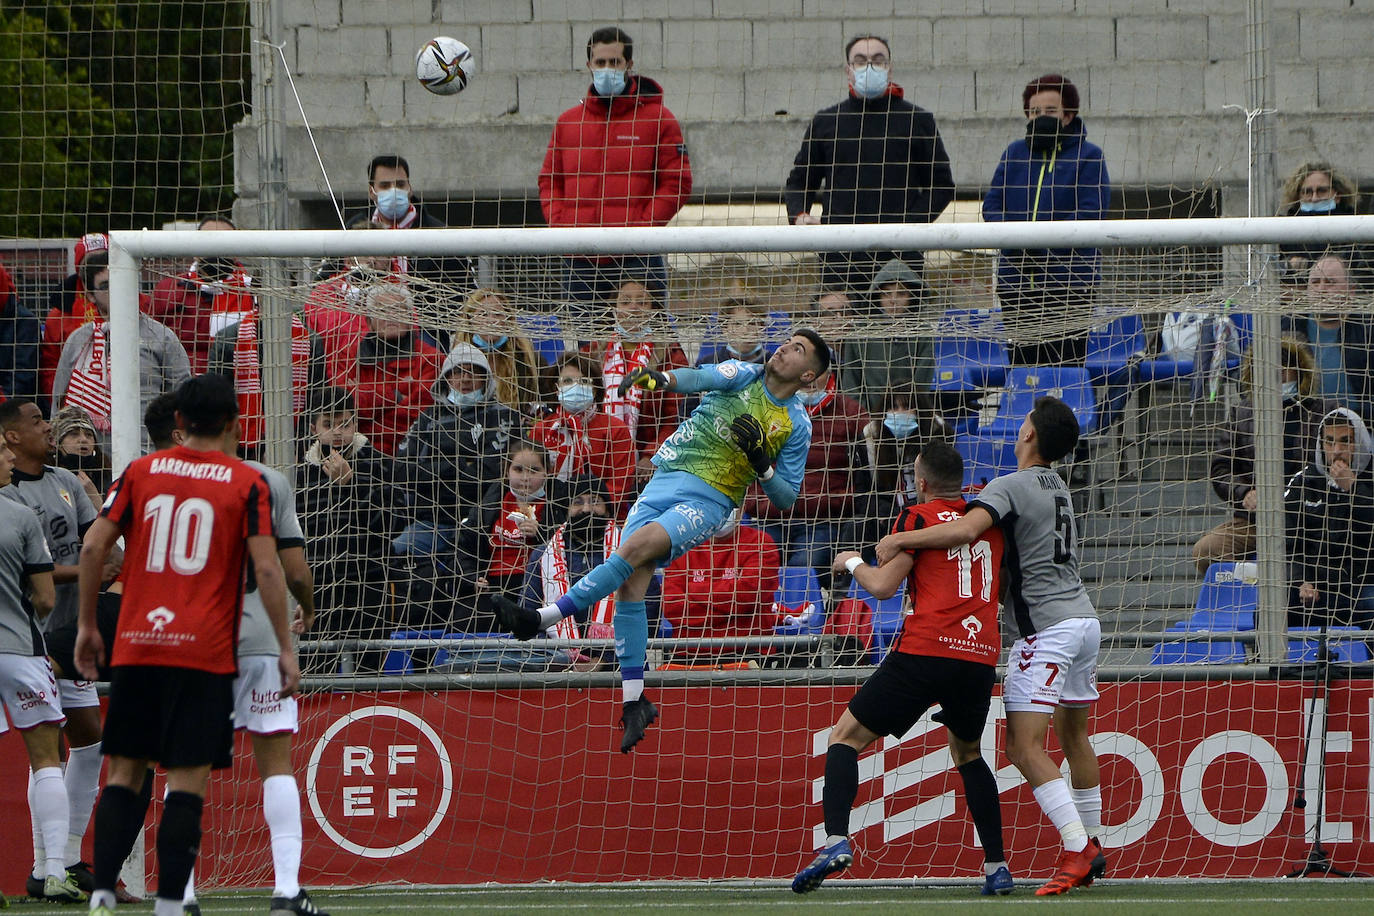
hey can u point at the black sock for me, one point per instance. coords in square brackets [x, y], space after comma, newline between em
[980, 794]
[841, 788]
[118, 819]
[178, 841]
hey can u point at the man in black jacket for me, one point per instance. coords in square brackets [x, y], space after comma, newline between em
[880, 159]
[1329, 522]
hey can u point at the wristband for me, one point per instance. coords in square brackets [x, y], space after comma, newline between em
[766, 475]
[853, 563]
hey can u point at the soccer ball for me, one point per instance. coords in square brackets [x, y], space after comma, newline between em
[443, 65]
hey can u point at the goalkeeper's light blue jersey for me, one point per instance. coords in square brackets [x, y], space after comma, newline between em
[702, 445]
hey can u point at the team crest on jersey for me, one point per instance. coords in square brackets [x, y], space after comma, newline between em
[160, 617]
[973, 625]
[66, 497]
[729, 370]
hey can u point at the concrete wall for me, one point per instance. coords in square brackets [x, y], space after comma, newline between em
[744, 76]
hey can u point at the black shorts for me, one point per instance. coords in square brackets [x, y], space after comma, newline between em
[905, 686]
[61, 642]
[179, 717]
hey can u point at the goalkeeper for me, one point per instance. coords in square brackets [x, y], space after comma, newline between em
[750, 425]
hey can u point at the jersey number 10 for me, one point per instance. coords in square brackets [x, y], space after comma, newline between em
[181, 534]
[966, 556]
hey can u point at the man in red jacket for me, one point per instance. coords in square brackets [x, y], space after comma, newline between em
[617, 158]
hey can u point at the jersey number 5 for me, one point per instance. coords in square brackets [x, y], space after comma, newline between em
[180, 535]
[1063, 529]
[966, 556]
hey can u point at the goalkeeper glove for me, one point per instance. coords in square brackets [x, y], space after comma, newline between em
[747, 432]
[648, 379]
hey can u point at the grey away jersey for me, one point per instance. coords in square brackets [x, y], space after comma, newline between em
[256, 636]
[1033, 509]
[23, 550]
[64, 513]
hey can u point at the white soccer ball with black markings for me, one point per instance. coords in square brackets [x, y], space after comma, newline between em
[444, 65]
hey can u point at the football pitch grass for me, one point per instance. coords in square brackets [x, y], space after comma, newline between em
[1212, 897]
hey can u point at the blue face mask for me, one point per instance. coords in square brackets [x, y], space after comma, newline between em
[466, 398]
[1317, 206]
[393, 203]
[576, 398]
[900, 425]
[483, 343]
[811, 398]
[608, 81]
[870, 81]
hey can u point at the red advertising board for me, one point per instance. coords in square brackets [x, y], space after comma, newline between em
[520, 786]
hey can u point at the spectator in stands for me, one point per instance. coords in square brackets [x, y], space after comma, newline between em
[880, 359]
[742, 324]
[331, 308]
[78, 450]
[454, 451]
[1233, 465]
[822, 519]
[390, 369]
[19, 333]
[1339, 336]
[617, 158]
[495, 542]
[347, 500]
[1314, 188]
[724, 587]
[237, 354]
[515, 366]
[641, 340]
[891, 444]
[1329, 522]
[586, 535]
[69, 307]
[583, 439]
[395, 206]
[211, 295]
[83, 370]
[878, 157]
[1052, 174]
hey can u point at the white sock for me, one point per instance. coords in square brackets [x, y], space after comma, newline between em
[163, 907]
[48, 802]
[189, 895]
[832, 840]
[549, 615]
[990, 868]
[83, 785]
[103, 898]
[281, 808]
[40, 858]
[1089, 804]
[1054, 800]
[631, 690]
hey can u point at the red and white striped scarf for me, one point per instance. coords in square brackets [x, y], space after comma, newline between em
[399, 263]
[566, 438]
[89, 385]
[248, 373]
[553, 567]
[615, 365]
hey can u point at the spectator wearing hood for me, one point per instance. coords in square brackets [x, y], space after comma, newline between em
[390, 368]
[617, 158]
[874, 363]
[583, 439]
[1329, 526]
[19, 334]
[1054, 173]
[878, 159]
[1233, 463]
[454, 451]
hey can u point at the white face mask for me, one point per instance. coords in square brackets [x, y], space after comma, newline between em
[466, 398]
[576, 398]
[393, 203]
[1289, 391]
[870, 81]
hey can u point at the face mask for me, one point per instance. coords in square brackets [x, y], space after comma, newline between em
[584, 526]
[1317, 206]
[1289, 391]
[609, 81]
[483, 343]
[393, 203]
[576, 398]
[900, 425]
[466, 398]
[811, 398]
[1042, 133]
[870, 81]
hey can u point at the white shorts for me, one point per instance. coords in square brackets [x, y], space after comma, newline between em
[256, 704]
[28, 691]
[77, 694]
[1055, 667]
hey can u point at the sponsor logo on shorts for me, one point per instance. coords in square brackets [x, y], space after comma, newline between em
[264, 702]
[31, 699]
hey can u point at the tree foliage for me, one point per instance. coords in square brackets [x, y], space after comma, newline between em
[118, 114]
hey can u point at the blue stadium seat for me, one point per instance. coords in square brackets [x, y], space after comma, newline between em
[1025, 384]
[1165, 368]
[887, 613]
[1304, 650]
[985, 458]
[401, 661]
[797, 586]
[1219, 652]
[969, 352]
[545, 332]
[1114, 350]
[1226, 603]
